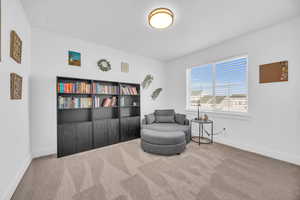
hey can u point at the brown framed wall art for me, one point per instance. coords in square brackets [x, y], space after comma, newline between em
[15, 47]
[274, 72]
[15, 86]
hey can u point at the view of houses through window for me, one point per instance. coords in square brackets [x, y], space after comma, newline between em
[220, 86]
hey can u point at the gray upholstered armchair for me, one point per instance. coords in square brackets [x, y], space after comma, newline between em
[168, 121]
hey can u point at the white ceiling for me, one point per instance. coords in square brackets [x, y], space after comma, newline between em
[122, 24]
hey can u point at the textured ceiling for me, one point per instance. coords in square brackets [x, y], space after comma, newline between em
[122, 24]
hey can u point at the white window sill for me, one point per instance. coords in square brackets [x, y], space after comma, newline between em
[221, 114]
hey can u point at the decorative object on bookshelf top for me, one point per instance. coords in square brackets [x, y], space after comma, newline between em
[147, 81]
[15, 47]
[124, 67]
[156, 93]
[104, 65]
[74, 58]
[15, 86]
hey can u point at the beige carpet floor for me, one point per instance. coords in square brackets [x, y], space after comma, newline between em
[125, 172]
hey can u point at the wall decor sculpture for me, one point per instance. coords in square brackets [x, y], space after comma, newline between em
[147, 81]
[104, 65]
[15, 86]
[15, 47]
[156, 93]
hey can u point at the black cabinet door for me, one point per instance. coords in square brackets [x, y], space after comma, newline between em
[113, 130]
[124, 129]
[130, 128]
[100, 133]
[84, 136]
[67, 139]
[137, 127]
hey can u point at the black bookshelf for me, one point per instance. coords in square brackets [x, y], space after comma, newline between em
[84, 123]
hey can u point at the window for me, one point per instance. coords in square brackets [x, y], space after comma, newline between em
[220, 86]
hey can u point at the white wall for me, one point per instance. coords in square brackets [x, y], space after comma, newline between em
[273, 128]
[50, 59]
[14, 117]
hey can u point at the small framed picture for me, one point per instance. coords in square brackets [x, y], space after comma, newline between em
[15, 47]
[124, 67]
[74, 58]
[15, 86]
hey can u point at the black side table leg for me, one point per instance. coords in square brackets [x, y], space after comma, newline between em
[199, 133]
[212, 133]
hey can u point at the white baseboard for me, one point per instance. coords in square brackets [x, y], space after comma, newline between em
[286, 157]
[15, 182]
[43, 152]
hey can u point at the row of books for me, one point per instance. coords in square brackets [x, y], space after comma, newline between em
[104, 89]
[74, 102]
[128, 90]
[75, 87]
[108, 102]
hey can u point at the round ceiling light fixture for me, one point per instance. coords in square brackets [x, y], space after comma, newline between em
[161, 18]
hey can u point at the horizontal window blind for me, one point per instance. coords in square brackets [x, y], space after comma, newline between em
[231, 85]
[202, 86]
[220, 86]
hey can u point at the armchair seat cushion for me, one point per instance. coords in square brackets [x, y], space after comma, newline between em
[163, 138]
[170, 127]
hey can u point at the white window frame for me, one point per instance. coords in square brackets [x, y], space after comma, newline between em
[188, 86]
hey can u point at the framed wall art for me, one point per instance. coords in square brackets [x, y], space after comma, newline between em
[74, 58]
[0, 29]
[15, 86]
[124, 67]
[274, 72]
[15, 47]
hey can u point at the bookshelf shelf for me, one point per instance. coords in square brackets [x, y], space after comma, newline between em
[94, 125]
[129, 106]
[106, 107]
[107, 94]
[61, 93]
[63, 109]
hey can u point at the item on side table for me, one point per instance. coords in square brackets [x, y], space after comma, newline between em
[205, 117]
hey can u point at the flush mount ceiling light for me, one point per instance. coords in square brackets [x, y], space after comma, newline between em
[161, 18]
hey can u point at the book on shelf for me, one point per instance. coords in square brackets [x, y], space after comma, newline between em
[74, 87]
[128, 90]
[74, 102]
[98, 88]
[107, 102]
